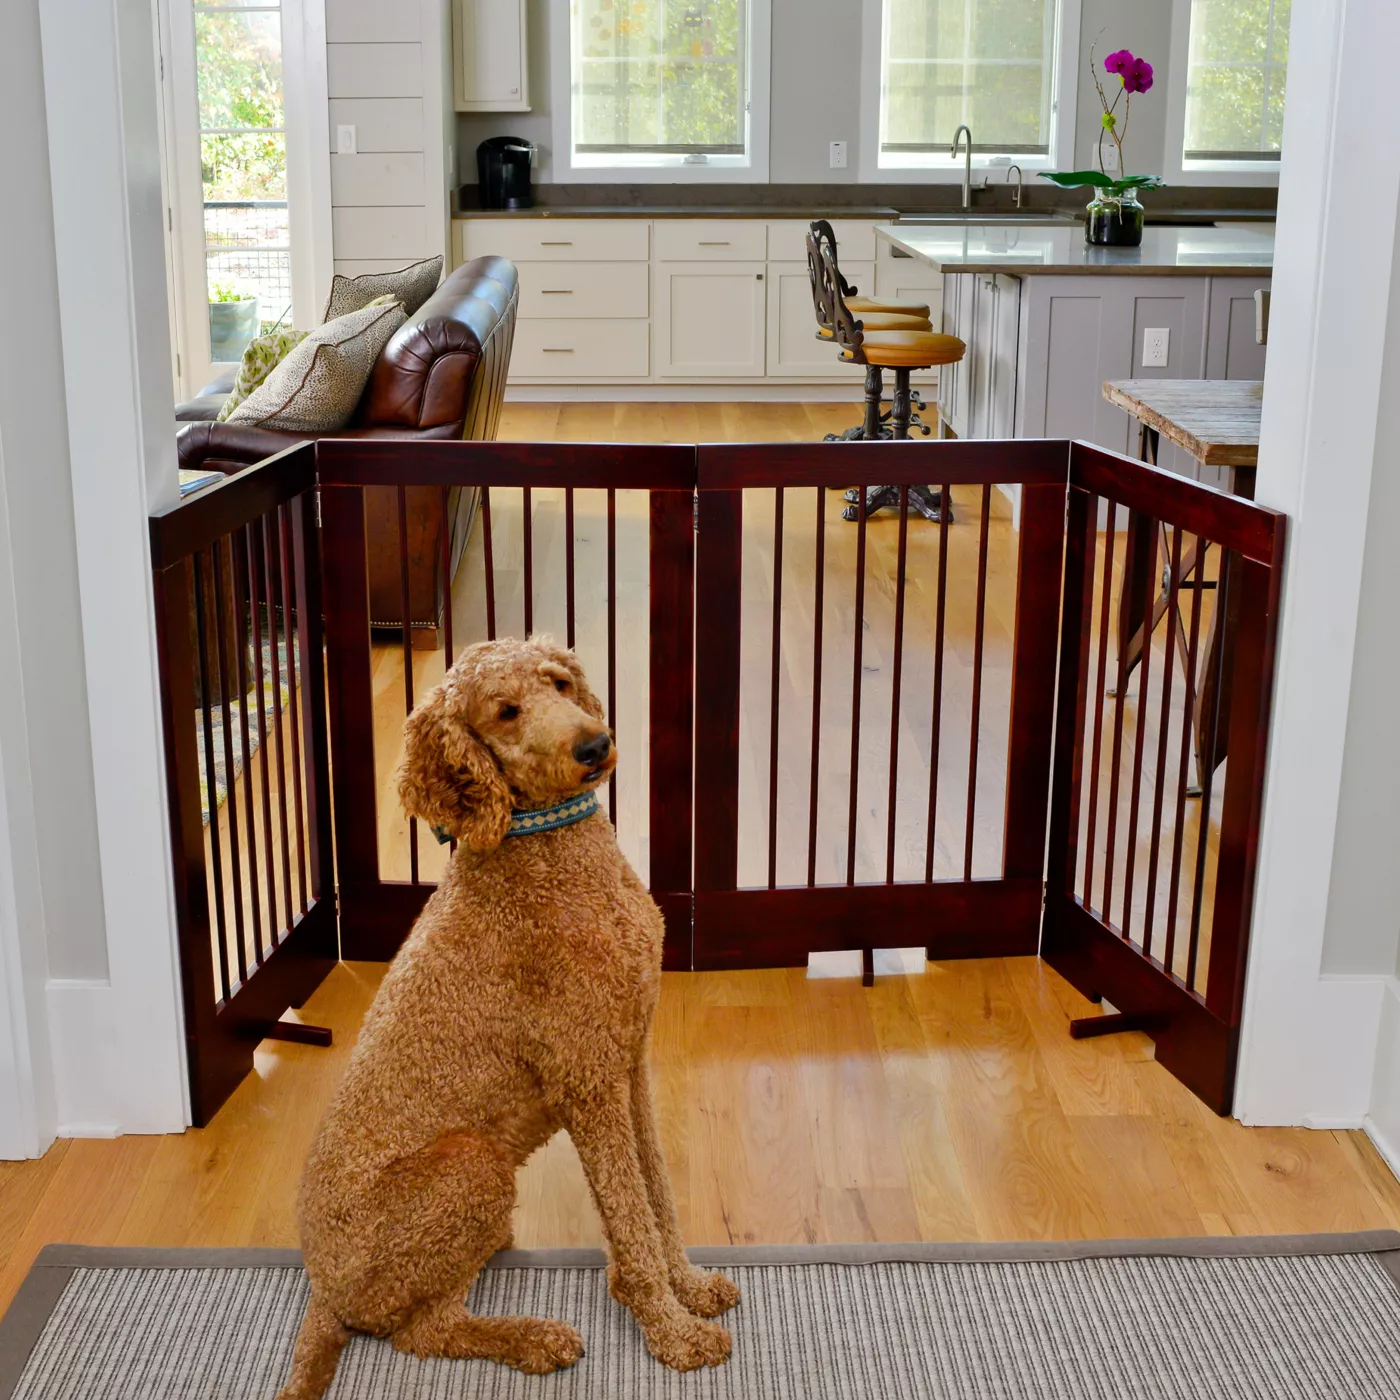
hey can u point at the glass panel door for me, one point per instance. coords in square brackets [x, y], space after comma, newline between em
[243, 173]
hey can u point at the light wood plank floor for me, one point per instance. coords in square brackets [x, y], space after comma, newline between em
[951, 1104]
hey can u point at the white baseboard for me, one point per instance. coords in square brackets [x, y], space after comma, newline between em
[1382, 1123]
[1321, 1072]
[84, 1038]
[740, 392]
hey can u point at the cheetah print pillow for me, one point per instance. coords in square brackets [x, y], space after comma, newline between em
[317, 386]
[411, 285]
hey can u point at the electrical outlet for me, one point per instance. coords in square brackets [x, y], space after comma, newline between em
[1110, 155]
[345, 141]
[1155, 341]
[838, 155]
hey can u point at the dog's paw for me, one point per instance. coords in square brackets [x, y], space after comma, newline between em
[706, 1294]
[542, 1345]
[686, 1343]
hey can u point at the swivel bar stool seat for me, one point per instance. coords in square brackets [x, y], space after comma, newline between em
[902, 350]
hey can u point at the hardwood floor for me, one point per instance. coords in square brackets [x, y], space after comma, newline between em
[946, 1104]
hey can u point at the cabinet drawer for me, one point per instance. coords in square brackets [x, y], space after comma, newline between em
[552, 290]
[855, 241]
[582, 349]
[701, 240]
[556, 240]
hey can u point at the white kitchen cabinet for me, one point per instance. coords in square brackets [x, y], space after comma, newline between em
[794, 351]
[898, 277]
[568, 289]
[490, 56]
[703, 240]
[710, 320]
[573, 350]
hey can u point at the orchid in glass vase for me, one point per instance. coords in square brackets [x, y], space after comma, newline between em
[1114, 216]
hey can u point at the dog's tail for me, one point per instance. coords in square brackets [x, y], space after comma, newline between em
[319, 1344]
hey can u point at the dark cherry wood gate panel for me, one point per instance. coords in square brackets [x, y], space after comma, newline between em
[377, 912]
[1166, 667]
[238, 622]
[970, 910]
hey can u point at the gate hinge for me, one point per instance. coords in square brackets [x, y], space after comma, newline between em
[695, 512]
[318, 510]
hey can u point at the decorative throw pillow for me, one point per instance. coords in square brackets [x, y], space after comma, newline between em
[262, 356]
[316, 387]
[411, 285]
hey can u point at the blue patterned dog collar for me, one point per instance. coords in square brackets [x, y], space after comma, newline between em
[543, 819]
[576, 809]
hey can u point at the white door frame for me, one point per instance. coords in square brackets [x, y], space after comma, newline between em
[1309, 1039]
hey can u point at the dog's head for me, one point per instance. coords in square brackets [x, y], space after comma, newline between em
[512, 725]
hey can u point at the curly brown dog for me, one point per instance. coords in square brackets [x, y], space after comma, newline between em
[520, 1004]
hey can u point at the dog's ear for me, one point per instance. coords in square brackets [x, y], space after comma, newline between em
[583, 692]
[449, 779]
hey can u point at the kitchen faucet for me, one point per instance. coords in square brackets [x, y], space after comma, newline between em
[967, 163]
[1019, 190]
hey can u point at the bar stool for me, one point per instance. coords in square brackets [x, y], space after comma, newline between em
[902, 350]
[891, 314]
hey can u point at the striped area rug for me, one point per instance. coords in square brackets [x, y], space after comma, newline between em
[1292, 1318]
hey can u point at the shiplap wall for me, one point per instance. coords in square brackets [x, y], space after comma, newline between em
[382, 65]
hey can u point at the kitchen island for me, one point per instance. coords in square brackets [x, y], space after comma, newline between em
[1047, 319]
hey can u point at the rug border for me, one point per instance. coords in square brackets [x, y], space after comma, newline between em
[28, 1314]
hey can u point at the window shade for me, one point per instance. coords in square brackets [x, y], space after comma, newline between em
[1235, 79]
[984, 63]
[659, 77]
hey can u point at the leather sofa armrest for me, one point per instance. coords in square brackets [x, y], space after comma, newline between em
[228, 447]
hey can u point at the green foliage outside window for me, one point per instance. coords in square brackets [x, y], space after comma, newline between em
[243, 153]
[1237, 76]
[985, 63]
[659, 75]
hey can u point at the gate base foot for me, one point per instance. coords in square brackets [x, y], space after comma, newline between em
[293, 1031]
[867, 967]
[1086, 1027]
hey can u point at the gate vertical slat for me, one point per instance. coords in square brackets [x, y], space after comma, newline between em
[310, 611]
[1041, 556]
[671, 798]
[1240, 820]
[718, 570]
[351, 713]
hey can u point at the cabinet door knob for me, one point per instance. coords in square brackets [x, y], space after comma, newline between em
[758, 276]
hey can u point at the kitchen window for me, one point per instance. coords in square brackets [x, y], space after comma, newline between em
[666, 90]
[1235, 79]
[991, 65]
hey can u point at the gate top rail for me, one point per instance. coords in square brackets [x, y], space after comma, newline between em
[392, 462]
[1233, 522]
[188, 526]
[1029, 461]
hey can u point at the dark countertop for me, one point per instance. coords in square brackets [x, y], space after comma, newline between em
[875, 213]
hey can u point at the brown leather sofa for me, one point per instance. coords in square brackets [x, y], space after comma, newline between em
[442, 376]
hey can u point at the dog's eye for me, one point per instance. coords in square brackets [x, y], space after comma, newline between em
[560, 683]
[509, 712]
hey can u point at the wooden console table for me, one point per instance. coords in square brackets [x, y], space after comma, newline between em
[1216, 421]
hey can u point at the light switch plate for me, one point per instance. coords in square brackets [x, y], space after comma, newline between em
[345, 141]
[1155, 341]
[838, 155]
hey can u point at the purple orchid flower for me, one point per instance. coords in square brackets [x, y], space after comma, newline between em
[1119, 62]
[1139, 77]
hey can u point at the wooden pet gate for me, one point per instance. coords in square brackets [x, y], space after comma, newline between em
[1037, 724]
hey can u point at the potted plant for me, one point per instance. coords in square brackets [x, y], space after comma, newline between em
[233, 319]
[1114, 216]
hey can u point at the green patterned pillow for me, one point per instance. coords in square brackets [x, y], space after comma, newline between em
[262, 356]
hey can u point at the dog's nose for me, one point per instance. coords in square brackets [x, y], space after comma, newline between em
[592, 752]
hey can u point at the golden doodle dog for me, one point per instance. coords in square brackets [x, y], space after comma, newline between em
[520, 1004]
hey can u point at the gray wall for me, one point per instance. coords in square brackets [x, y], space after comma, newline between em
[816, 68]
[44, 709]
[1363, 899]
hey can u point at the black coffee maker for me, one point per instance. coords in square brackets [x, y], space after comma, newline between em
[503, 173]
